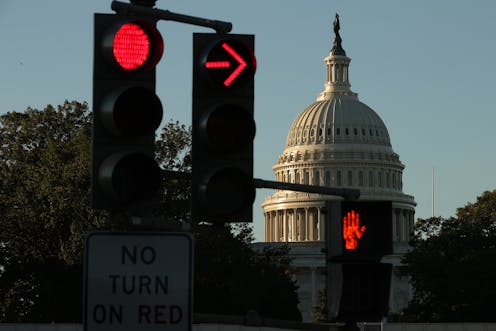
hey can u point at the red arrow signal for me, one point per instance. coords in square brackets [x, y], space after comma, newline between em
[217, 64]
[236, 57]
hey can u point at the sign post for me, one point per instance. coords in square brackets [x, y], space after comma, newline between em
[138, 281]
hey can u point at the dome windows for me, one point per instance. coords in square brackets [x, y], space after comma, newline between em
[307, 178]
[315, 135]
[327, 178]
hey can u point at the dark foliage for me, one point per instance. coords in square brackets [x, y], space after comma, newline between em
[45, 215]
[232, 279]
[452, 267]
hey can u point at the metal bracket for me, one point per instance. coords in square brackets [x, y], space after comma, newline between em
[126, 8]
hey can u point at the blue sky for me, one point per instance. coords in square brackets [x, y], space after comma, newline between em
[426, 67]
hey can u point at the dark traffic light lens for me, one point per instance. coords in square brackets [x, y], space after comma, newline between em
[229, 127]
[228, 191]
[129, 177]
[136, 111]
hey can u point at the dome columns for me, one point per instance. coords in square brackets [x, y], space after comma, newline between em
[300, 224]
[294, 225]
[337, 71]
[337, 79]
[403, 221]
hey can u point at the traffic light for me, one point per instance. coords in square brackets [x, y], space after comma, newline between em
[126, 112]
[223, 127]
[359, 231]
[359, 234]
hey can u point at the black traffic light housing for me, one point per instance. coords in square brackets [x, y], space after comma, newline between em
[223, 127]
[359, 231]
[358, 235]
[358, 292]
[126, 112]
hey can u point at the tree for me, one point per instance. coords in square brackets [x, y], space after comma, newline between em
[45, 203]
[43, 218]
[452, 267]
[232, 279]
[320, 310]
[173, 151]
[45, 215]
[41, 152]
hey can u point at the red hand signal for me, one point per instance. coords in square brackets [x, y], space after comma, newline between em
[352, 231]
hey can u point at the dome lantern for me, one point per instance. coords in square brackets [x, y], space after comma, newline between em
[337, 64]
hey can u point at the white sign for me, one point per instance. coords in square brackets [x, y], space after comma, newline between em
[138, 281]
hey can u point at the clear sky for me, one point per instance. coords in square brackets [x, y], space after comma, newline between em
[426, 67]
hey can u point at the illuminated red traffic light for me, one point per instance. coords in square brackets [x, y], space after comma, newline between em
[133, 45]
[223, 128]
[230, 63]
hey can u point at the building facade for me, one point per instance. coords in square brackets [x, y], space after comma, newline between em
[339, 142]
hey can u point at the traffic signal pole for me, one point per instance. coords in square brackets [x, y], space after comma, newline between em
[126, 8]
[346, 193]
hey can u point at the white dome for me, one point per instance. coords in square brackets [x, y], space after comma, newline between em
[337, 141]
[342, 119]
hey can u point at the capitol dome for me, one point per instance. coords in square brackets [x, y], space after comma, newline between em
[339, 142]
[338, 120]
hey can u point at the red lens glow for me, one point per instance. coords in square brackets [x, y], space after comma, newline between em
[239, 68]
[217, 64]
[131, 46]
[230, 63]
[352, 231]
